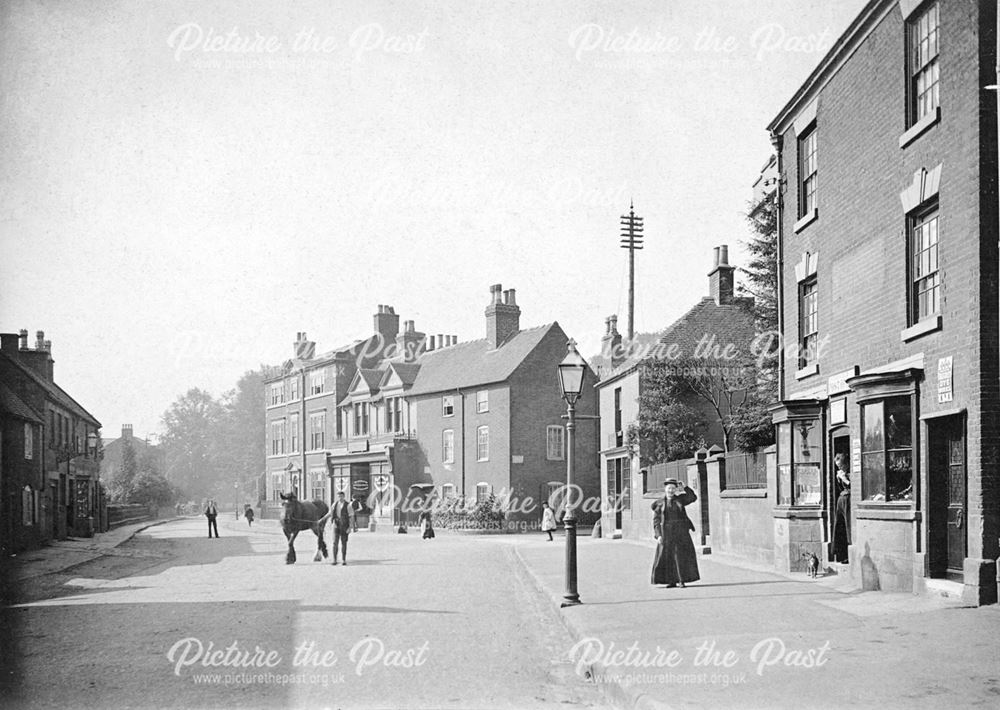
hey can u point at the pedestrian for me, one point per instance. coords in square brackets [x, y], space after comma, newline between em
[357, 507]
[675, 562]
[211, 512]
[426, 527]
[842, 512]
[548, 519]
[248, 514]
[341, 516]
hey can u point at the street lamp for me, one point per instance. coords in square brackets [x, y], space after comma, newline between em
[571, 372]
[236, 498]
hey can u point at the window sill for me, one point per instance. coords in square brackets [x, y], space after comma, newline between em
[798, 512]
[743, 493]
[886, 511]
[918, 128]
[806, 220]
[807, 371]
[927, 325]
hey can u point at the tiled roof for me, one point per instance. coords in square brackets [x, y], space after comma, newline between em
[407, 371]
[56, 393]
[474, 363]
[729, 323]
[12, 404]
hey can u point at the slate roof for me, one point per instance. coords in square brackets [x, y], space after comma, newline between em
[474, 363]
[730, 323]
[407, 371]
[12, 404]
[56, 393]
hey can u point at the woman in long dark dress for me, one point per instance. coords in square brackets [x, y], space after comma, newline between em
[675, 562]
[842, 513]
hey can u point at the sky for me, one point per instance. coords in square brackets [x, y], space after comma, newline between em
[184, 186]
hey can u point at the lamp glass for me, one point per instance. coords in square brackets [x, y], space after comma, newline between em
[571, 371]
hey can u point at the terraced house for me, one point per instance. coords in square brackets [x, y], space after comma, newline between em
[49, 451]
[887, 156]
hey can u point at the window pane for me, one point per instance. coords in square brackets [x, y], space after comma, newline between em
[873, 476]
[807, 484]
[872, 438]
[897, 414]
[784, 442]
[899, 483]
[807, 442]
[784, 484]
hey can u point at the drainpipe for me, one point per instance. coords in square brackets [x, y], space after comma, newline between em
[461, 398]
[779, 202]
[303, 425]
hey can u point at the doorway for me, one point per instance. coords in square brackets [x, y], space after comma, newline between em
[947, 479]
[839, 491]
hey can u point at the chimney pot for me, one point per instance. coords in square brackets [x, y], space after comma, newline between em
[23, 335]
[430, 345]
[48, 346]
[724, 255]
[509, 298]
[39, 340]
[715, 257]
[454, 340]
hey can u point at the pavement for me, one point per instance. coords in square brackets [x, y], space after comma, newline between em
[59, 555]
[744, 636]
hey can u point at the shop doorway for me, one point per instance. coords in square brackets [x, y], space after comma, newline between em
[839, 492]
[946, 495]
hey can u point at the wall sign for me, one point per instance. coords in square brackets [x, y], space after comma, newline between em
[838, 411]
[944, 375]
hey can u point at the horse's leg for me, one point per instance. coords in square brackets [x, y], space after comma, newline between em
[320, 543]
[290, 557]
[322, 540]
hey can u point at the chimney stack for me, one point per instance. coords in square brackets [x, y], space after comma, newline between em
[127, 432]
[611, 343]
[8, 344]
[38, 359]
[503, 317]
[720, 279]
[24, 339]
[386, 325]
[304, 348]
[40, 340]
[410, 343]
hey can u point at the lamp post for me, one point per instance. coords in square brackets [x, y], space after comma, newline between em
[571, 372]
[236, 498]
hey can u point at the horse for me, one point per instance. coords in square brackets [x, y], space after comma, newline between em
[298, 516]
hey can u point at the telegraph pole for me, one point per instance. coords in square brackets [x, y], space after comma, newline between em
[631, 239]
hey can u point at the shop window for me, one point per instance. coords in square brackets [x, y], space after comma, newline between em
[800, 453]
[887, 450]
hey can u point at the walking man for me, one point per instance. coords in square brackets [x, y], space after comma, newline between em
[211, 512]
[341, 515]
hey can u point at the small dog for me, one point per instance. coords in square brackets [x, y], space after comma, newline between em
[812, 564]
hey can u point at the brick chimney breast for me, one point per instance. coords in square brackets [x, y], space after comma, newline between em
[386, 324]
[721, 285]
[503, 317]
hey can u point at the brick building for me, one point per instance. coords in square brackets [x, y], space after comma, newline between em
[888, 254]
[430, 417]
[443, 419]
[301, 409]
[719, 319]
[50, 450]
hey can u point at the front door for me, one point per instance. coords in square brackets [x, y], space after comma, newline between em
[947, 528]
[956, 499]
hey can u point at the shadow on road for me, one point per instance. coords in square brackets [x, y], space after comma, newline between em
[369, 609]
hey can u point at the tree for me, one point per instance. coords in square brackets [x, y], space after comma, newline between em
[667, 427]
[152, 488]
[242, 445]
[190, 443]
[751, 426]
[123, 482]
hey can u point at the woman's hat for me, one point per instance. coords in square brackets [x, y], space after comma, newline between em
[671, 480]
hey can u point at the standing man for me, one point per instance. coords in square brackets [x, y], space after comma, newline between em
[356, 507]
[341, 515]
[211, 512]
